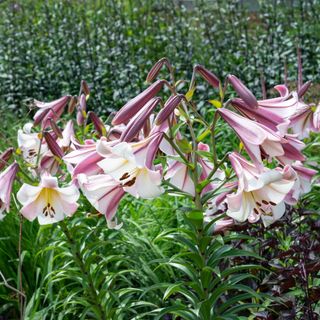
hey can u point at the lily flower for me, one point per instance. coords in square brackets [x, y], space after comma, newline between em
[29, 143]
[104, 193]
[49, 110]
[131, 165]
[305, 121]
[47, 201]
[259, 194]
[6, 181]
[254, 136]
[84, 159]
[303, 177]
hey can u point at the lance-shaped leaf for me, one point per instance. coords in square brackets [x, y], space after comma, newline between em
[157, 67]
[98, 124]
[169, 107]
[5, 157]
[245, 94]
[52, 145]
[135, 104]
[137, 122]
[206, 75]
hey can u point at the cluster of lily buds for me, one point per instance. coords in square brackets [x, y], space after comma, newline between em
[152, 147]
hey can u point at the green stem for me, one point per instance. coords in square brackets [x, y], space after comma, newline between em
[86, 273]
[173, 145]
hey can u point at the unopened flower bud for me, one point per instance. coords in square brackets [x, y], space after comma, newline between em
[157, 67]
[137, 123]
[5, 157]
[52, 145]
[135, 104]
[72, 104]
[207, 75]
[304, 88]
[85, 88]
[245, 94]
[168, 108]
[98, 124]
[81, 112]
[55, 129]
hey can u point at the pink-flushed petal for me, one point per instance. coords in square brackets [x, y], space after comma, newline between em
[88, 165]
[48, 181]
[33, 208]
[277, 213]
[179, 176]
[240, 205]
[69, 194]
[28, 193]
[103, 192]
[302, 123]
[147, 184]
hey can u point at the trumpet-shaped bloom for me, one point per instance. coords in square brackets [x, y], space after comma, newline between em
[29, 143]
[254, 136]
[306, 120]
[130, 164]
[104, 193]
[47, 201]
[302, 184]
[6, 181]
[259, 194]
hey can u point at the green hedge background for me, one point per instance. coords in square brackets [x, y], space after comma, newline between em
[47, 47]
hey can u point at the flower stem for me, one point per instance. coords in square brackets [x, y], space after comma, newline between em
[85, 272]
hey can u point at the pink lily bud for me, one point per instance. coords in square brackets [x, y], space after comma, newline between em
[55, 128]
[5, 157]
[52, 145]
[135, 104]
[245, 94]
[137, 123]
[207, 75]
[157, 67]
[81, 112]
[169, 107]
[72, 104]
[304, 88]
[49, 110]
[98, 124]
[85, 88]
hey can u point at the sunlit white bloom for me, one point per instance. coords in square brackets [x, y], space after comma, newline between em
[126, 163]
[259, 194]
[47, 201]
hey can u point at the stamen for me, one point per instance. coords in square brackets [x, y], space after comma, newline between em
[265, 202]
[272, 203]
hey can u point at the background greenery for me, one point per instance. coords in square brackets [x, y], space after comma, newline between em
[46, 48]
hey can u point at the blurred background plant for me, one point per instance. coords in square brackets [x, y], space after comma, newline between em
[46, 47]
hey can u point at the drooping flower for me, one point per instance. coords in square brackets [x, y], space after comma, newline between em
[104, 193]
[254, 136]
[131, 164]
[49, 110]
[305, 121]
[259, 194]
[6, 181]
[302, 177]
[47, 201]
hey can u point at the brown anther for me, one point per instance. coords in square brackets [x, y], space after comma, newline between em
[272, 203]
[125, 176]
[256, 211]
[130, 183]
[265, 202]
